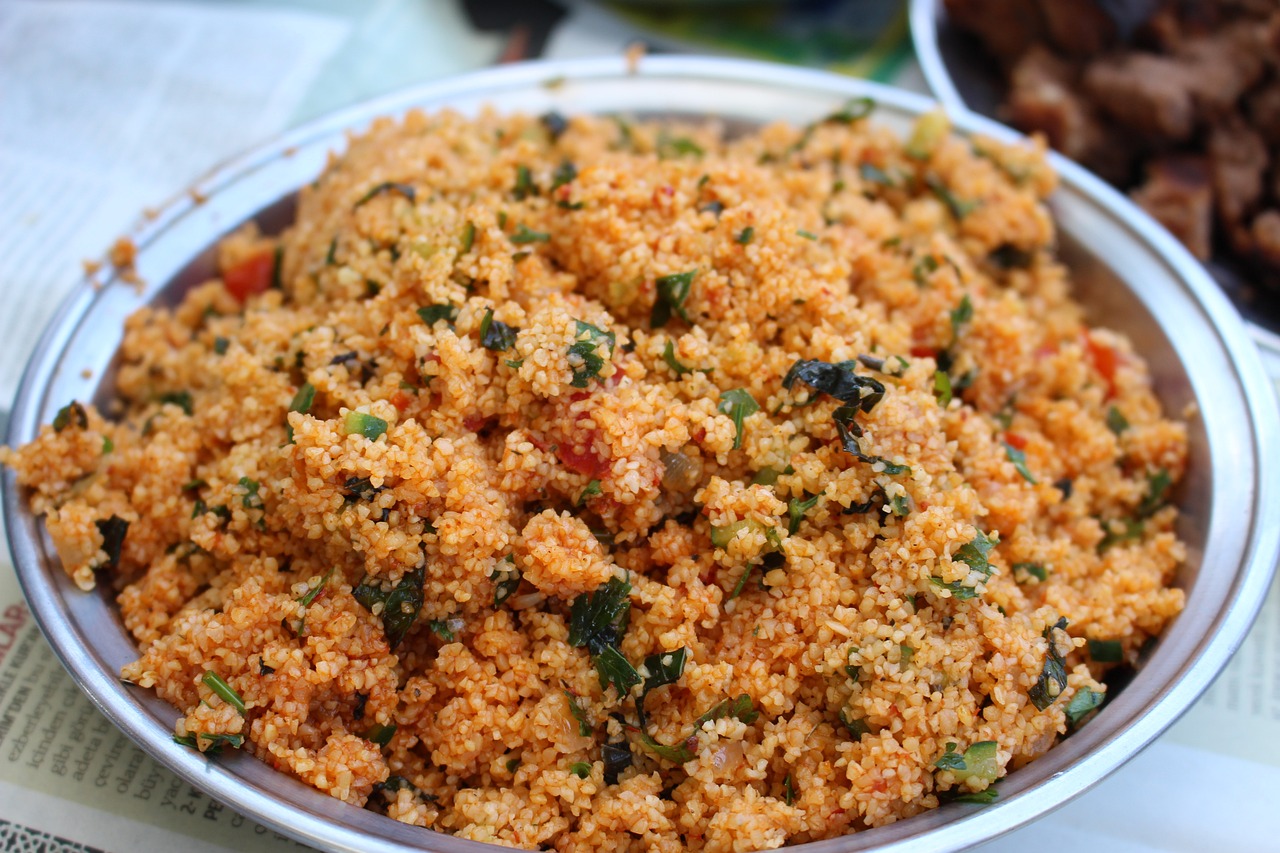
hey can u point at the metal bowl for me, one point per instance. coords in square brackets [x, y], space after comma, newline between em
[1131, 274]
[965, 79]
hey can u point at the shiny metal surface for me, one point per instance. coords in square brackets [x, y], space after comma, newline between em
[1132, 275]
[965, 80]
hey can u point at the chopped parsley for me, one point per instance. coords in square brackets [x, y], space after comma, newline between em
[1053, 677]
[671, 293]
[496, 335]
[584, 359]
[855, 109]
[220, 345]
[388, 187]
[433, 314]
[441, 629]
[598, 620]
[796, 509]
[113, 531]
[584, 723]
[302, 400]
[924, 266]
[669, 356]
[1106, 651]
[1025, 572]
[958, 208]
[973, 554]
[1116, 421]
[1019, 459]
[741, 707]
[738, 404]
[525, 187]
[979, 761]
[746, 235]
[181, 399]
[505, 581]
[616, 756]
[961, 315]
[524, 234]
[216, 742]
[468, 239]
[1157, 487]
[565, 173]
[677, 146]
[381, 735]
[591, 491]
[251, 499]
[873, 174]
[400, 604]
[942, 388]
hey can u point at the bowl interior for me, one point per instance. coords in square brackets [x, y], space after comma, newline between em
[1130, 278]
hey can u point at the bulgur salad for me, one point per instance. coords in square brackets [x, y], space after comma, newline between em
[583, 483]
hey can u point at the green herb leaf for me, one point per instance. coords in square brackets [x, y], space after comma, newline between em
[1053, 677]
[441, 629]
[400, 604]
[1157, 488]
[216, 741]
[856, 727]
[598, 620]
[836, 380]
[796, 510]
[1082, 705]
[107, 445]
[738, 404]
[581, 769]
[677, 146]
[788, 790]
[181, 399]
[523, 234]
[854, 109]
[746, 235]
[381, 735]
[962, 314]
[113, 531]
[387, 187]
[973, 554]
[525, 187]
[671, 291]
[565, 173]
[303, 399]
[617, 758]
[1019, 460]
[1106, 651]
[979, 798]
[314, 593]
[942, 387]
[669, 356]
[496, 335]
[584, 723]
[433, 314]
[958, 208]
[592, 489]
[808, 235]
[1116, 421]
[1007, 256]
[584, 358]
[1024, 572]
[875, 175]
[220, 345]
[505, 581]
[215, 683]
[251, 499]
[741, 707]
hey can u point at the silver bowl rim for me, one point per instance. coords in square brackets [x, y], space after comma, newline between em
[336, 826]
[923, 19]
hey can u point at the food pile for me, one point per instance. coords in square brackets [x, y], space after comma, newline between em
[590, 484]
[1177, 101]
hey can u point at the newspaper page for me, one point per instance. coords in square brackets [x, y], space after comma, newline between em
[98, 142]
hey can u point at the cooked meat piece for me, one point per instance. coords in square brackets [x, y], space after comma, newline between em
[1264, 111]
[1266, 237]
[1179, 196]
[1080, 29]
[1145, 92]
[1220, 67]
[1005, 27]
[1238, 164]
[1041, 99]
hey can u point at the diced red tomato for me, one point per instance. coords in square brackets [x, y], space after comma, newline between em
[1015, 440]
[920, 351]
[401, 400]
[583, 458]
[1105, 360]
[250, 277]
